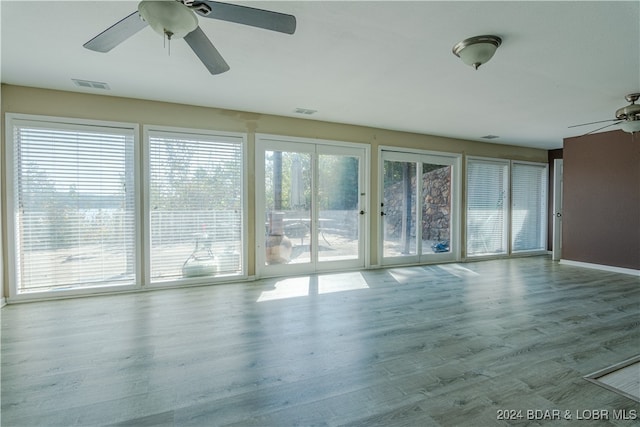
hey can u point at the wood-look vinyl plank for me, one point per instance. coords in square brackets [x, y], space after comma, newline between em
[460, 407]
[163, 419]
[108, 410]
[335, 409]
[410, 415]
[440, 345]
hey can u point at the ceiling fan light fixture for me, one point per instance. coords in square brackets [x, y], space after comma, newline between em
[168, 17]
[478, 50]
[630, 126]
[177, 19]
[630, 115]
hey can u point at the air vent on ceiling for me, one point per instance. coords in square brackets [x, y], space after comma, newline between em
[90, 84]
[490, 137]
[305, 111]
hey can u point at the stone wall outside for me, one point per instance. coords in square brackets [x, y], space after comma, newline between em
[436, 209]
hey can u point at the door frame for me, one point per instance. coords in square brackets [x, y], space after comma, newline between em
[266, 142]
[452, 159]
[556, 248]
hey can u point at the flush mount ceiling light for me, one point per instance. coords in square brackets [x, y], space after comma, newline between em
[476, 51]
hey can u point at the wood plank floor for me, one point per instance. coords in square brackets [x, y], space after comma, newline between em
[445, 345]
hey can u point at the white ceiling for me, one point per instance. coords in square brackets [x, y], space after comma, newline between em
[382, 64]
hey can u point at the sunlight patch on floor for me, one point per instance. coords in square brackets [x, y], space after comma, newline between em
[404, 275]
[341, 282]
[458, 270]
[287, 288]
[314, 285]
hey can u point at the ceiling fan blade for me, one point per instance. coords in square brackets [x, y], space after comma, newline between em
[603, 127]
[260, 18]
[206, 51]
[593, 123]
[117, 33]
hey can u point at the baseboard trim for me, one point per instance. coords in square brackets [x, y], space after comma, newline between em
[3, 302]
[84, 293]
[610, 268]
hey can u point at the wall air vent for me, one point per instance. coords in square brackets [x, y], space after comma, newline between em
[490, 137]
[305, 111]
[88, 84]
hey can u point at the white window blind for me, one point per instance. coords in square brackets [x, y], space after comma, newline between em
[196, 205]
[487, 207]
[528, 207]
[74, 205]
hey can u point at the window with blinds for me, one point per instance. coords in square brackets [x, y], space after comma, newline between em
[74, 205]
[528, 207]
[487, 207]
[196, 205]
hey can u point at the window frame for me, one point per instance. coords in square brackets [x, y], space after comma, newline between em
[508, 226]
[237, 137]
[142, 223]
[15, 119]
[315, 146]
[454, 160]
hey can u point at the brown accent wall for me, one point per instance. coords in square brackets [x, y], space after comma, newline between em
[552, 155]
[601, 199]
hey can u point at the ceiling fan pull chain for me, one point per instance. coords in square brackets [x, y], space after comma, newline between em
[167, 39]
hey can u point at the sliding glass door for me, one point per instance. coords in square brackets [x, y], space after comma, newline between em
[419, 208]
[340, 211]
[310, 206]
[287, 206]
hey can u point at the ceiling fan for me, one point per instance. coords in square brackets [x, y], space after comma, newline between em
[627, 117]
[177, 19]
